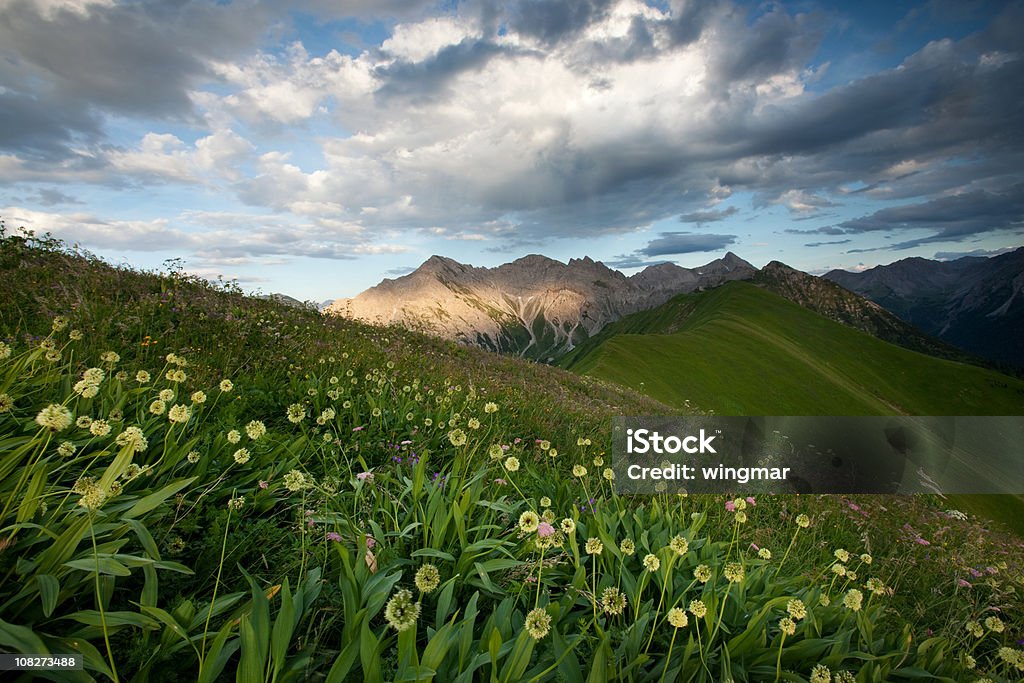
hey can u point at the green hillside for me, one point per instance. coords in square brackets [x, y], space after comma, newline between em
[739, 350]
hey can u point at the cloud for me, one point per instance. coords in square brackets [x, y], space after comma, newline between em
[822, 244]
[686, 243]
[626, 261]
[951, 218]
[709, 216]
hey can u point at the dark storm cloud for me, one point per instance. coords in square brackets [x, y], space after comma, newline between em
[822, 244]
[551, 20]
[686, 243]
[951, 218]
[709, 216]
[428, 79]
[62, 68]
[777, 41]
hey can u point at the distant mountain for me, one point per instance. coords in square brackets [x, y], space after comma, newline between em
[974, 303]
[534, 306]
[739, 349]
[837, 303]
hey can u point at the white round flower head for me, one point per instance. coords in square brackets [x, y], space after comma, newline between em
[568, 526]
[234, 436]
[401, 612]
[227, 385]
[66, 449]
[457, 437]
[698, 608]
[734, 572]
[512, 463]
[199, 397]
[93, 375]
[803, 521]
[490, 407]
[179, 413]
[702, 573]
[157, 407]
[796, 609]
[677, 618]
[853, 600]
[142, 377]
[538, 623]
[132, 437]
[651, 563]
[5, 351]
[627, 547]
[528, 522]
[579, 471]
[679, 545]
[6, 403]
[255, 429]
[428, 578]
[613, 601]
[99, 428]
[241, 456]
[842, 555]
[608, 474]
[764, 553]
[821, 674]
[473, 423]
[787, 626]
[193, 457]
[594, 546]
[236, 503]
[54, 417]
[166, 395]
[295, 480]
[83, 421]
[545, 502]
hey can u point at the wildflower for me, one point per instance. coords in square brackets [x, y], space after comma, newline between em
[110, 357]
[179, 413]
[865, 558]
[121, 376]
[142, 377]
[66, 449]
[93, 496]
[5, 351]
[1008, 655]
[627, 547]
[764, 553]
[6, 403]
[803, 521]
[365, 477]
[553, 453]
[133, 438]
[970, 662]
[734, 572]
[157, 407]
[473, 423]
[236, 503]
[842, 555]
[401, 612]
[83, 421]
[698, 608]
[594, 546]
[824, 600]
[845, 677]
[528, 522]
[652, 563]
[511, 463]
[428, 578]
[241, 456]
[702, 573]
[538, 623]
[199, 397]
[598, 461]
[613, 601]
[544, 529]
[608, 474]
[176, 376]
[677, 618]
[796, 609]
[853, 599]
[545, 445]
[839, 569]
[457, 437]
[739, 504]
[679, 545]
[334, 536]
[93, 376]
[226, 385]
[53, 357]
[295, 480]
[876, 586]
[193, 457]
[545, 502]
[234, 436]
[490, 407]
[579, 471]
[85, 389]
[821, 674]
[741, 517]
[255, 429]
[166, 395]
[568, 526]
[54, 417]
[994, 624]
[787, 626]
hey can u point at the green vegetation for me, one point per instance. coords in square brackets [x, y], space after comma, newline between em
[198, 485]
[738, 349]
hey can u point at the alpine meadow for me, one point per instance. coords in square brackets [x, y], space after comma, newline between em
[203, 485]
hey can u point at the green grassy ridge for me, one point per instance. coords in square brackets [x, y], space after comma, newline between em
[738, 349]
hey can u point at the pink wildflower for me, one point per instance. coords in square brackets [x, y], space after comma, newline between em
[544, 530]
[730, 506]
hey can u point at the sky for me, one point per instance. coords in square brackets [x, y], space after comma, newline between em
[315, 147]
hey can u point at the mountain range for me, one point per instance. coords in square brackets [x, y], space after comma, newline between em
[535, 306]
[974, 303]
[969, 310]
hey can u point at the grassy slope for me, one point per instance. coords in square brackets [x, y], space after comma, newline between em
[740, 350]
